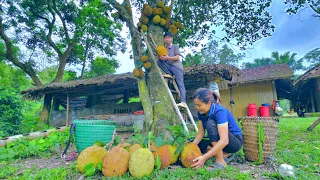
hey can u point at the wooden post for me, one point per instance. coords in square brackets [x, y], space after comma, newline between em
[231, 104]
[126, 96]
[314, 124]
[274, 90]
[313, 109]
[67, 113]
[46, 109]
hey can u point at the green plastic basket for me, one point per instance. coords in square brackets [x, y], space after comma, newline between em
[87, 132]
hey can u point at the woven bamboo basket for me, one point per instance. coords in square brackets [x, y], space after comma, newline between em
[250, 136]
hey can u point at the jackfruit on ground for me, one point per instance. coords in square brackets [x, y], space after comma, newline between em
[133, 148]
[164, 154]
[161, 51]
[162, 22]
[174, 157]
[93, 154]
[135, 72]
[166, 9]
[144, 58]
[116, 163]
[147, 65]
[147, 10]
[144, 28]
[141, 163]
[189, 153]
[156, 19]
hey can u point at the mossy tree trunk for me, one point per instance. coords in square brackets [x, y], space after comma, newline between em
[158, 109]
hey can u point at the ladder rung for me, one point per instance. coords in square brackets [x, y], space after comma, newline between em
[174, 91]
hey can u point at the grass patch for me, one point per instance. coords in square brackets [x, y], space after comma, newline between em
[298, 147]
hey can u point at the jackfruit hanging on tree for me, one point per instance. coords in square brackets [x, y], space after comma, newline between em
[141, 73]
[144, 19]
[173, 29]
[166, 9]
[147, 10]
[156, 19]
[115, 15]
[162, 22]
[147, 65]
[135, 72]
[160, 4]
[144, 28]
[144, 58]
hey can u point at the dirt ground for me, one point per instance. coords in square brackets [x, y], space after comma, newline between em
[56, 161]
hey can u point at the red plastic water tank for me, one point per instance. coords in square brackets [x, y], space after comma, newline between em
[252, 110]
[264, 111]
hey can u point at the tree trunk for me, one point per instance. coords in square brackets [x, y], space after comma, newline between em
[147, 105]
[44, 118]
[163, 109]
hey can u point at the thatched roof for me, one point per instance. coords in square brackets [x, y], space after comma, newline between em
[117, 83]
[310, 74]
[264, 73]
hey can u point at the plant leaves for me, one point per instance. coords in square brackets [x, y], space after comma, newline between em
[99, 166]
[158, 162]
[159, 141]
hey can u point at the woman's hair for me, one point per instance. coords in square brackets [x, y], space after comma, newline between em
[204, 95]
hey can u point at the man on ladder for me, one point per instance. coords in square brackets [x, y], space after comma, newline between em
[172, 65]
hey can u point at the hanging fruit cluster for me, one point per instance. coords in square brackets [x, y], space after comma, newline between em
[138, 72]
[159, 15]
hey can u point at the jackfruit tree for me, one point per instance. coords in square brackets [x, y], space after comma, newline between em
[189, 21]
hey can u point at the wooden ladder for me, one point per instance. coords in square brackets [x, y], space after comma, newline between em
[171, 80]
[176, 108]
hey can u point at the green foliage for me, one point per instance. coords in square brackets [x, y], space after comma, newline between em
[38, 147]
[211, 54]
[47, 75]
[13, 78]
[191, 60]
[298, 147]
[102, 66]
[295, 6]
[312, 57]
[276, 58]
[11, 113]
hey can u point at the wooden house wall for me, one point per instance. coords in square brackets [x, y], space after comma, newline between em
[244, 94]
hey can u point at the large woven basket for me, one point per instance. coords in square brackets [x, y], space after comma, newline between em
[87, 132]
[250, 136]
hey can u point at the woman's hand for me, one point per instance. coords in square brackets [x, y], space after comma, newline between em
[199, 162]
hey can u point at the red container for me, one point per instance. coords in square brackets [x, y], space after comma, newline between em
[264, 111]
[252, 110]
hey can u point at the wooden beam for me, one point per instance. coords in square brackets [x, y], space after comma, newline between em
[274, 91]
[314, 124]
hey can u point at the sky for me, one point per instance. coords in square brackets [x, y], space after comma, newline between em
[297, 33]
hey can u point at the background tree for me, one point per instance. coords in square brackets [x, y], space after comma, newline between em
[191, 60]
[102, 66]
[312, 57]
[245, 21]
[227, 56]
[276, 58]
[296, 6]
[56, 29]
[210, 53]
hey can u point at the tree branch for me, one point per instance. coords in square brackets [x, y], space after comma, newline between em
[65, 29]
[314, 8]
[50, 28]
[121, 10]
[10, 56]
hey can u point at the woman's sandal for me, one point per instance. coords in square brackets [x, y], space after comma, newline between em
[216, 166]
